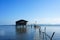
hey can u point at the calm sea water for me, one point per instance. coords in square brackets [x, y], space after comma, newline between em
[11, 33]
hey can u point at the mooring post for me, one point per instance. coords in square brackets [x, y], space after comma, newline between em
[52, 35]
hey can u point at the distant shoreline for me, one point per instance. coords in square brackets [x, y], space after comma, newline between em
[37, 24]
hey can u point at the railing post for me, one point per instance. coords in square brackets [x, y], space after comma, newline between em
[52, 35]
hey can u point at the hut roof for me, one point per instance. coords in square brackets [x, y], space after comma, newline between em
[21, 20]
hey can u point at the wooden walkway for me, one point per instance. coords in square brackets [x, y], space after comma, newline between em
[39, 35]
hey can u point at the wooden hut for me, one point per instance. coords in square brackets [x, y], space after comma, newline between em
[21, 22]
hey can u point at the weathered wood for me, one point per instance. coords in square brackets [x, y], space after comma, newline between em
[21, 22]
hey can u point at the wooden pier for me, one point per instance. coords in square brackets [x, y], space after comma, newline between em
[40, 35]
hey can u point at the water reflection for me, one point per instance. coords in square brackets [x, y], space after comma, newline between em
[21, 33]
[21, 29]
[36, 35]
[29, 33]
[2, 32]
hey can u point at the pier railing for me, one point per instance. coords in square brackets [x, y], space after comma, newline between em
[45, 36]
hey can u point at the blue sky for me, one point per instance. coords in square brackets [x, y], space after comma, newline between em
[42, 11]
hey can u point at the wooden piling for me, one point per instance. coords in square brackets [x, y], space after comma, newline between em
[52, 35]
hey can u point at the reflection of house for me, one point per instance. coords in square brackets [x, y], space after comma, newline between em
[21, 22]
[21, 30]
